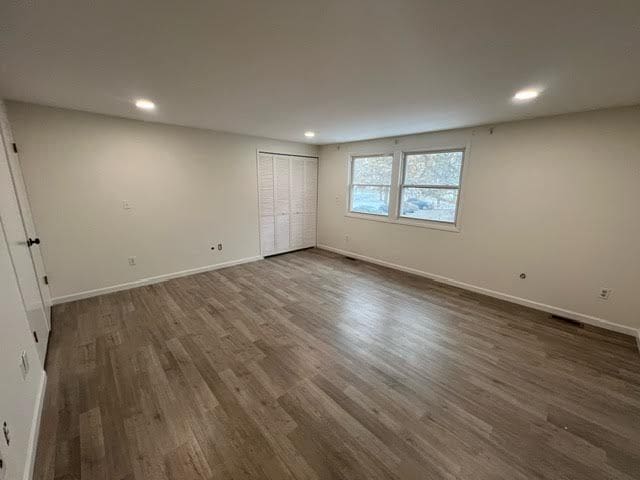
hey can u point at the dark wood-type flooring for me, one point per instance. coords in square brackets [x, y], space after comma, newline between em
[313, 366]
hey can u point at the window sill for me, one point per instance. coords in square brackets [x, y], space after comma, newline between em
[447, 227]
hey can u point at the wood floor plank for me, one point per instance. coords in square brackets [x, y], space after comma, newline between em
[92, 448]
[313, 366]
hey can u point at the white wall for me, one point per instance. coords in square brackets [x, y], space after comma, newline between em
[189, 189]
[557, 198]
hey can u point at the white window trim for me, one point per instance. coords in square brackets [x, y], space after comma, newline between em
[397, 175]
[457, 187]
[370, 216]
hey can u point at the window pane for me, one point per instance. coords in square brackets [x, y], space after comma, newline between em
[437, 204]
[374, 200]
[441, 168]
[372, 170]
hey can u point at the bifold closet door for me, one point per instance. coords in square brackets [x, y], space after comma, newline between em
[310, 201]
[287, 190]
[266, 198]
[281, 171]
[297, 203]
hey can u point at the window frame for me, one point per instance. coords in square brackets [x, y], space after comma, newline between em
[397, 179]
[350, 185]
[402, 185]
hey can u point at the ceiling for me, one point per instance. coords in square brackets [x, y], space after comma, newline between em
[347, 69]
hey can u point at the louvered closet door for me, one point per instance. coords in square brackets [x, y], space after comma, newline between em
[287, 187]
[297, 203]
[282, 201]
[266, 199]
[310, 202]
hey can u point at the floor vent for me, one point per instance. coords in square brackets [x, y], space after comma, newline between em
[568, 320]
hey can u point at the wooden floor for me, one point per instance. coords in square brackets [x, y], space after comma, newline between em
[310, 365]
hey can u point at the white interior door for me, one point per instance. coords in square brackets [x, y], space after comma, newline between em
[296, 230]
[267, 235]
[310, 201]
[287, 190]
[309, 230]
[282, 177]
[18, 388]
[282, 233]
[296, 224]
[266, 202]
[297, 185]
[19, 249]
[25, 211]
[281, 182]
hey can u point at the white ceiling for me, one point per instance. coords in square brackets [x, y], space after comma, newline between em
[348, 69]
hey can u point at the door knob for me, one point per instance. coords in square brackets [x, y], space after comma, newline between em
[33, 241]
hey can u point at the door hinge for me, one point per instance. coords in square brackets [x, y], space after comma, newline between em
[46, 280]
[35, 336]
[15, 148]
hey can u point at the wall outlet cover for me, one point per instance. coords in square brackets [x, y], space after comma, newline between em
[605, 293]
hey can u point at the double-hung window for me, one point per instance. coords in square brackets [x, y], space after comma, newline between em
[430, 186]
[370, 185]
[418, 187]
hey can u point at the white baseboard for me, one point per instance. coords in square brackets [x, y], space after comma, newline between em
[35, 429]
[579, 317]
[149, 280]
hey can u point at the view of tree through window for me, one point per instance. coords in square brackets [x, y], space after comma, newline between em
[371, 184]
[431, 185]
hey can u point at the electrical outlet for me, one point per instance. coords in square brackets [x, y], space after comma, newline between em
[126, 205]
[605, 293]
[24, 364]
[132, 261]
[220, 246]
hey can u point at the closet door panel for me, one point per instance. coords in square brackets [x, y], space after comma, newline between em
[297, 230]
[287, 187]
[310, 185]
[282, 233]
[267, 235]
[281, 172]
[265, 184]
[309, 235]
[297, 185]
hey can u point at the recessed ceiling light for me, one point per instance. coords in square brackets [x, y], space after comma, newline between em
[144, 104]
[528, 94]
[309, 134]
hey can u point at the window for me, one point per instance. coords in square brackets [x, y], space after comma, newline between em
[420, 188]
[431, 185]
[370, 185]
